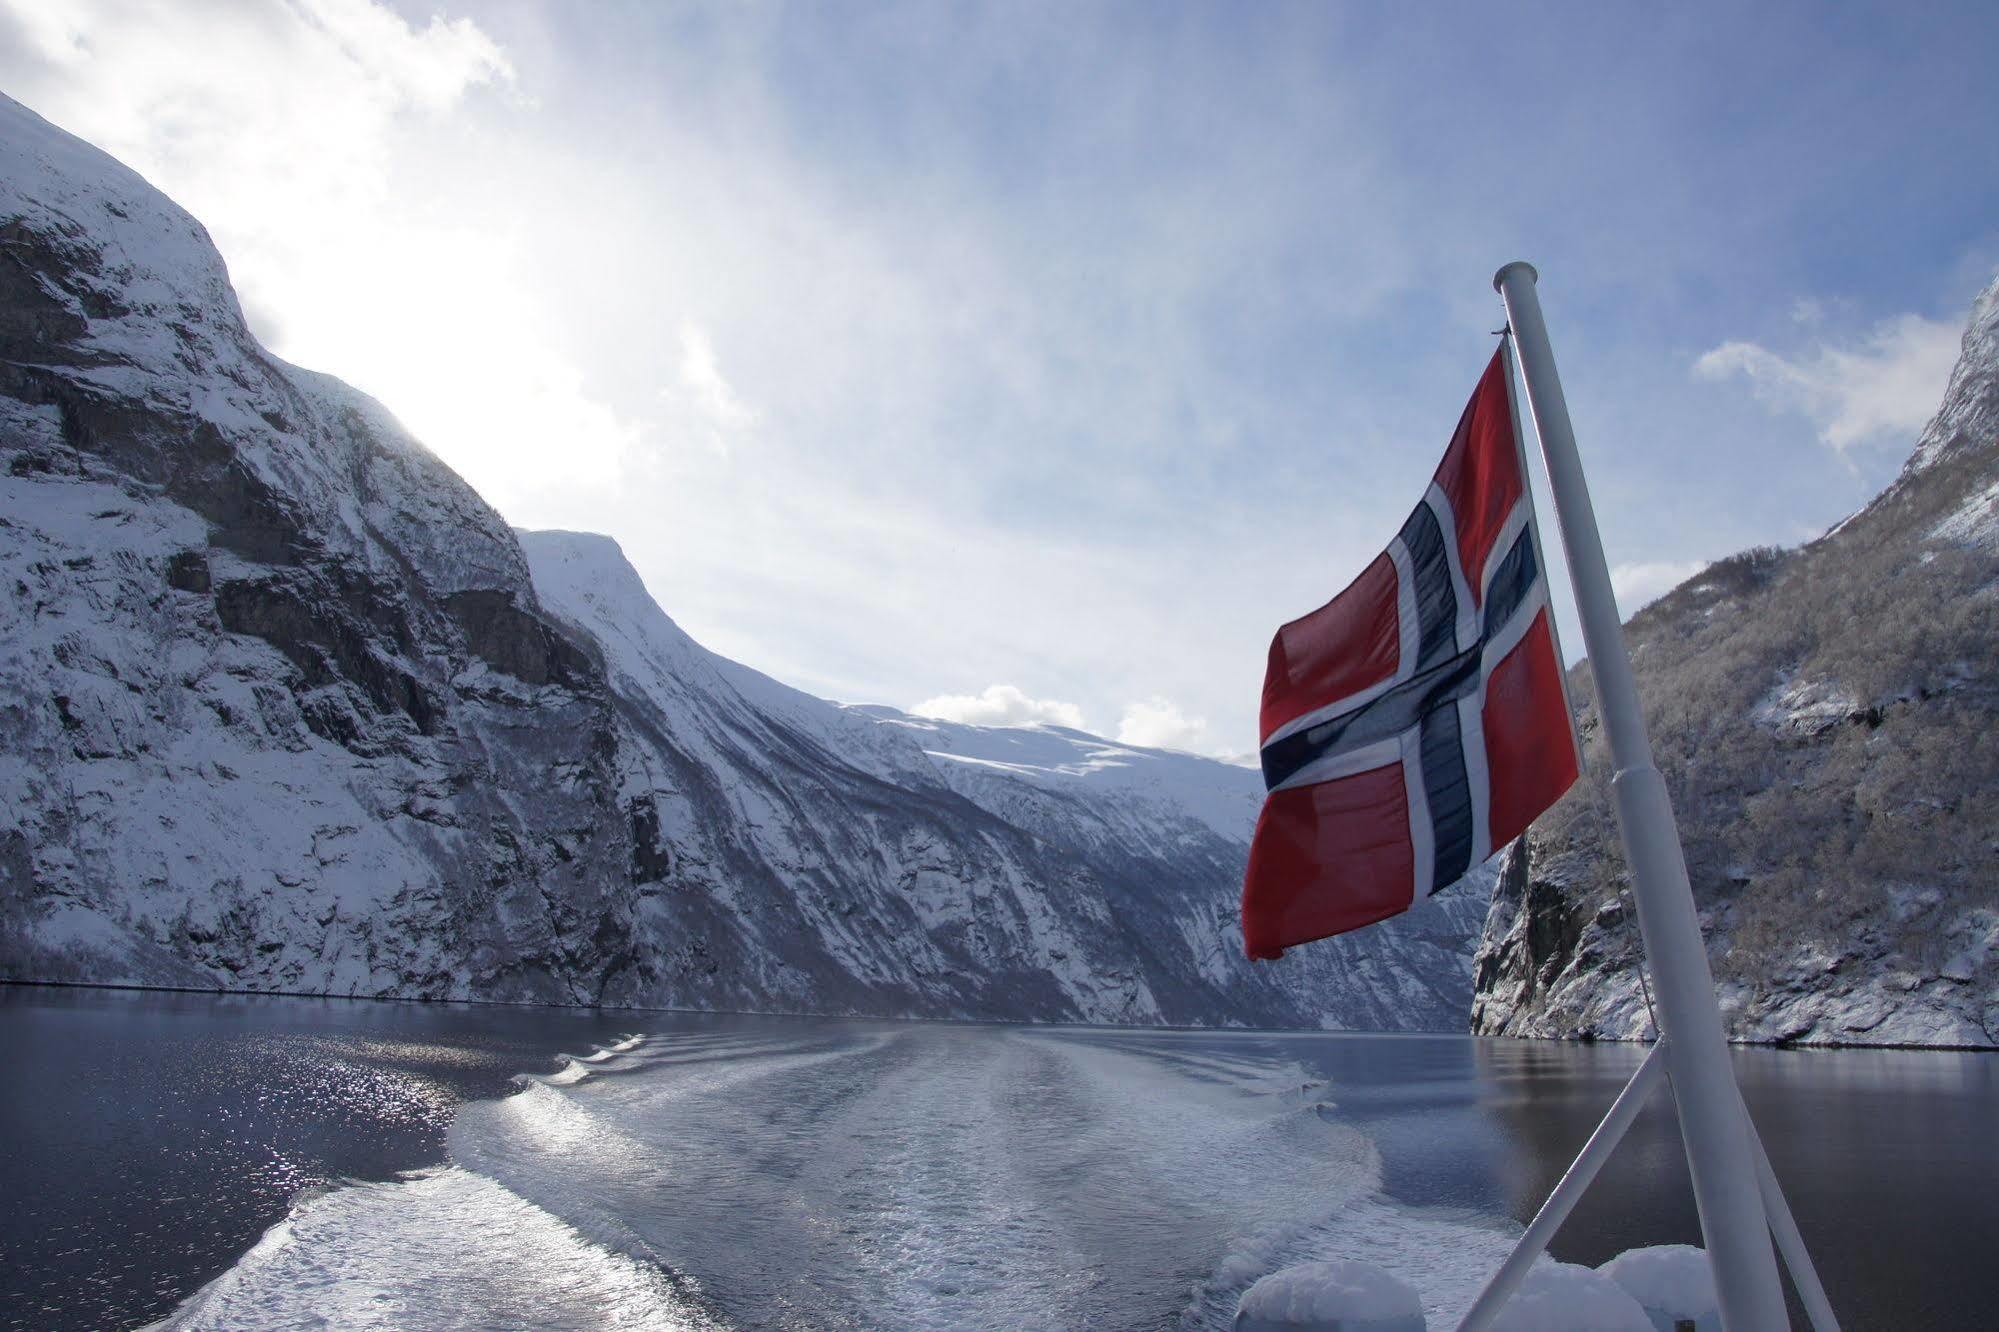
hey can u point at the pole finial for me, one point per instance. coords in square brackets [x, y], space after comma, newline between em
[1499, 278]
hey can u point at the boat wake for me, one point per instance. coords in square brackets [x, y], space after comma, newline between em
[848, 1175]
[444, 1249]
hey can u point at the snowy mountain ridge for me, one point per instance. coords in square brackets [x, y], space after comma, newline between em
[285, 706]
[1132, 856]
[1224, 796]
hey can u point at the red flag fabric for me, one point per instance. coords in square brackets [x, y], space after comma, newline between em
[1418, 721]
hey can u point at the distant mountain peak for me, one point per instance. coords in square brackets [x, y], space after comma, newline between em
[1968, 419]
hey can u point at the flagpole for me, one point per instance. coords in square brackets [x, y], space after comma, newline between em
[1713, 1121]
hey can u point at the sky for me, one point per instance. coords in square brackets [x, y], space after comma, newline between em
[1033, 361]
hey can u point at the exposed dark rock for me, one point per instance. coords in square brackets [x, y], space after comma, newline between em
[187, 571]
[317, 635]
[651, 861]
[517, 641]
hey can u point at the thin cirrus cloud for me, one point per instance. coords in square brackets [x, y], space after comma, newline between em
[796, 402]
[705, 405]
[905, 349]
[1880, 387]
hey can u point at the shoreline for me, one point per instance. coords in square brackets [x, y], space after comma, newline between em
[531, 1004]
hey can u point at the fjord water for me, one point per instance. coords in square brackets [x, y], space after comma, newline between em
[245, 1163]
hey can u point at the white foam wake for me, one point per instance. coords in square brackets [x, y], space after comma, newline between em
[571, 1073]
[1239, 1141]
[895, 1177]
[440, 1251]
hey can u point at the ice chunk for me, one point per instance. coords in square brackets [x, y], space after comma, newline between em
[1566, 1297]
[1673, 1282]
[1344, 1296]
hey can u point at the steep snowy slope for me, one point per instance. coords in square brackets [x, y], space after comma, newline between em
[996, 762]
[281, 707]
[1072, 866]
[1143, 817]
[277, 708]
[1828, 720]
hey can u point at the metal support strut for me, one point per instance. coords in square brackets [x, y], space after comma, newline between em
[1714, 1126]
[1581, 1172]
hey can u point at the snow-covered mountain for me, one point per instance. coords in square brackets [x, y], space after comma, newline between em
[1007, 871]
[1828, 721]
[286, 706]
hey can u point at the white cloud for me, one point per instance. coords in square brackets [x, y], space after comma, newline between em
[1639, 584]
[1885, 386]
[430, 69]
[1155, 723]
[1000, 705]
[314, 139]
[703, 403]
[870, 382]
[260, 119]
[1158, 723]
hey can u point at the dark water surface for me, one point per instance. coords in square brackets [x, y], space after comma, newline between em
[147, 1138]
[797, 1173]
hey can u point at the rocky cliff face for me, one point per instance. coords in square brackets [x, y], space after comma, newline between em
[279, 708]
[285, 706]
[1828, 721]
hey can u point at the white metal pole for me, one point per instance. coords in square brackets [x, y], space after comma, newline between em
[1567, 1193]
[1791, 1244]
[1713, 1123]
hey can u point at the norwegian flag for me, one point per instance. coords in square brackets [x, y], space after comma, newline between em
[1419, 719]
